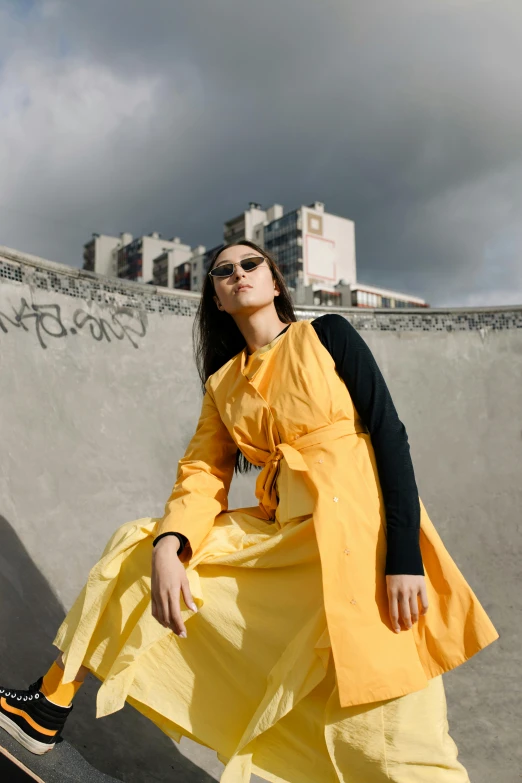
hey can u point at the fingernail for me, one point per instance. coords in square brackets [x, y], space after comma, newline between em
[194, 607]
[397, 630]
[183, 634]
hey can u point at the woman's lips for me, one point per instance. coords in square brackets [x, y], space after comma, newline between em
[243, 288]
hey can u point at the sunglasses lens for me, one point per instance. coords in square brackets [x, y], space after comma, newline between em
[250, 263]
[225, 270]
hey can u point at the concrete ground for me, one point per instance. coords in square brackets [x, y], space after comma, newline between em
[63, 764]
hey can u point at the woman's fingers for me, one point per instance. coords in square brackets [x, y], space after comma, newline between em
[424, 598]
[403, 592]
[414, 607]
[166, 610]
[394, 611]
[176, 623]
[404, 605]
[163, 613]
[169, 580]
[159, 608]
[155, 605]
[187, 595]
[168, 576]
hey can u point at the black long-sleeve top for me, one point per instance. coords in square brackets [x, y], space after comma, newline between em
[356, 365]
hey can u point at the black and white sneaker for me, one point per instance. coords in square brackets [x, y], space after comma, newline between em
[29, 717]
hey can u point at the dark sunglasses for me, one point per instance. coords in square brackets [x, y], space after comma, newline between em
[248, 264]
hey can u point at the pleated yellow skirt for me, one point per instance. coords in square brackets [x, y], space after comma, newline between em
[254, 679]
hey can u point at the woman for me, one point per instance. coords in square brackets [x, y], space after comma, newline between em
[303, 638]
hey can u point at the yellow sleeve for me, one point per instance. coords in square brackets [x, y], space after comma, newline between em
[203, 480]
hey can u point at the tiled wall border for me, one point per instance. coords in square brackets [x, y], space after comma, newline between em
[40, 274]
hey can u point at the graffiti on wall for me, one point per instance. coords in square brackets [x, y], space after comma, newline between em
[48, 324]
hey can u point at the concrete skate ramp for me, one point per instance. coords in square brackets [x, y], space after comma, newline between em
[99, 398]
[61, 765]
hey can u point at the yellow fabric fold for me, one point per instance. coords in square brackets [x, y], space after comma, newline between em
[292, 632]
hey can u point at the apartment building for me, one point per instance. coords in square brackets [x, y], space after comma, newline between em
[165, 266]
[100, 253]
[314, 249]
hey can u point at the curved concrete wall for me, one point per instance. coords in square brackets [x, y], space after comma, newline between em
[99, 397]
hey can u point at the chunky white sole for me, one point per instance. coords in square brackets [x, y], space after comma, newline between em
[39, 748]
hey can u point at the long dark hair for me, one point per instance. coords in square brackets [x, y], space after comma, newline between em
[216, 336]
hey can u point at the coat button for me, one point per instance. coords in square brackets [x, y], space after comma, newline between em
[353, 601]
[346, 551]
[319, 460]
[335, 500]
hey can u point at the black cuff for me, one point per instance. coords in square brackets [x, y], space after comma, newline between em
[181, 538]
[403, 555]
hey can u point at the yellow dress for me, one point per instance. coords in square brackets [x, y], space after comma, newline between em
[290, 669]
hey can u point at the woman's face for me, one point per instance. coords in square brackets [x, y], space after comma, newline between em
[243, 292]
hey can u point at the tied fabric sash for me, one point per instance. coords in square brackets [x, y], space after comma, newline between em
[266, 481]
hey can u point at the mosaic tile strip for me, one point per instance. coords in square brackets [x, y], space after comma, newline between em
[108, 291]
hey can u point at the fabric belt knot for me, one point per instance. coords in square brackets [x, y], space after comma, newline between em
[266, 481]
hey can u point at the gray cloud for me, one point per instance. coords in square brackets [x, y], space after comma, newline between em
[404, 117]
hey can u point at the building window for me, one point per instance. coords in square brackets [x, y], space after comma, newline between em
[315, 224]
[328, 298]
[281, 239]
[182, 276]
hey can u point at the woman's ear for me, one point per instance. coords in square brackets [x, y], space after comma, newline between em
[218, 303]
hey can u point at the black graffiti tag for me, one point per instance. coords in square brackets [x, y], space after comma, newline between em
[47, 320]
[100, 328]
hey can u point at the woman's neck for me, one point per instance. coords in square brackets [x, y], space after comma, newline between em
[260, 331]
[270, 341]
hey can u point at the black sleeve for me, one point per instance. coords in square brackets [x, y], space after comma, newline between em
[357, 367]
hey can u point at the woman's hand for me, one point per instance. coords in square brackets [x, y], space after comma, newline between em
[168, 579]
[403, 590]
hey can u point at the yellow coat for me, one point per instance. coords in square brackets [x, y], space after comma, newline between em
[288, 411]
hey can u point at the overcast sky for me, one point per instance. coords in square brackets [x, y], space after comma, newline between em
[140, 115]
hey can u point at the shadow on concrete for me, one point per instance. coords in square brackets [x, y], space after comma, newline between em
[63, 764]
[124, 745]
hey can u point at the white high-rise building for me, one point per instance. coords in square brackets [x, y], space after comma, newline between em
[315, 251]
[312, 247]
[165, 266]
[250, 224]
[200, 262]
[100, 254]
[136, 260]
